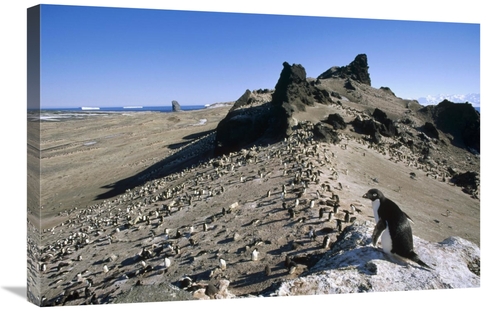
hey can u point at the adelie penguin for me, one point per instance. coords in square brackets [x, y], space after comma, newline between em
[394, 226]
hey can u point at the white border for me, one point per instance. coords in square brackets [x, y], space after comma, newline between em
[13, 177]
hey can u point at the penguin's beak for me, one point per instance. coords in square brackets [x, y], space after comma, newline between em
[365, 195]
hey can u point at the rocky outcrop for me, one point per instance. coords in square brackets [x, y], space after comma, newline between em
[325, 133]
[387, 127]
[175, 106]
[356, 70]
[430, 130]
[388, 90]
[469, 181]
[336, 121]
[461, 121]
[252, 121]
[354, 266]
[294, 92]
[249, 98]
[376, 127]
[244, 100]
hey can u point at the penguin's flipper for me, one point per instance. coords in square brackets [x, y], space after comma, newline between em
[411, 220]
[379, 228]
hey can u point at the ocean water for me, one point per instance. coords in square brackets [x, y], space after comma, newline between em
[63, 114]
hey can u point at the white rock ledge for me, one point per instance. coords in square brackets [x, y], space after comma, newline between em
[354, 266]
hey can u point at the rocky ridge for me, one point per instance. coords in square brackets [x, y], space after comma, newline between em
[356, 70]
[428, 134]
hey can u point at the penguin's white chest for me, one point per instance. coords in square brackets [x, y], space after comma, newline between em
[386, 240]
[375, 206]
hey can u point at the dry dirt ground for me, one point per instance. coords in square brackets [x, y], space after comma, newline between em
[94, 232]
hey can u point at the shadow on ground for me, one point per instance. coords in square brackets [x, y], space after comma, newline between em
[170, 165]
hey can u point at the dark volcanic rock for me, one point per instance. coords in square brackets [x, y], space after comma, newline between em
[461, 121]
[388, 90]
[294, 92]
[322, 96]
[356, 70]
[293, 88]
[269, 122]
[359, 69]
[387, 127]
[253, 125]
[367, 127]
[431, 130]
[244, 100]
[324, 133]
[469, 181]
[379, 125]
[336, 95]
[336, 121]
[249, 99]
[377, 138]
[175, 106]
[348, 85]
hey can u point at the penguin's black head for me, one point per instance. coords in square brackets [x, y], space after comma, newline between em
[373, 194]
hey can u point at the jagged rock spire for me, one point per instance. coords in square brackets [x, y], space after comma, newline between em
[356, 70]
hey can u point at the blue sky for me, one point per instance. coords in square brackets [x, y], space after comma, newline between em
[98, 56]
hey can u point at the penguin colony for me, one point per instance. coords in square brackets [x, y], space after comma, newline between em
[307, 189]
[303, 168]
